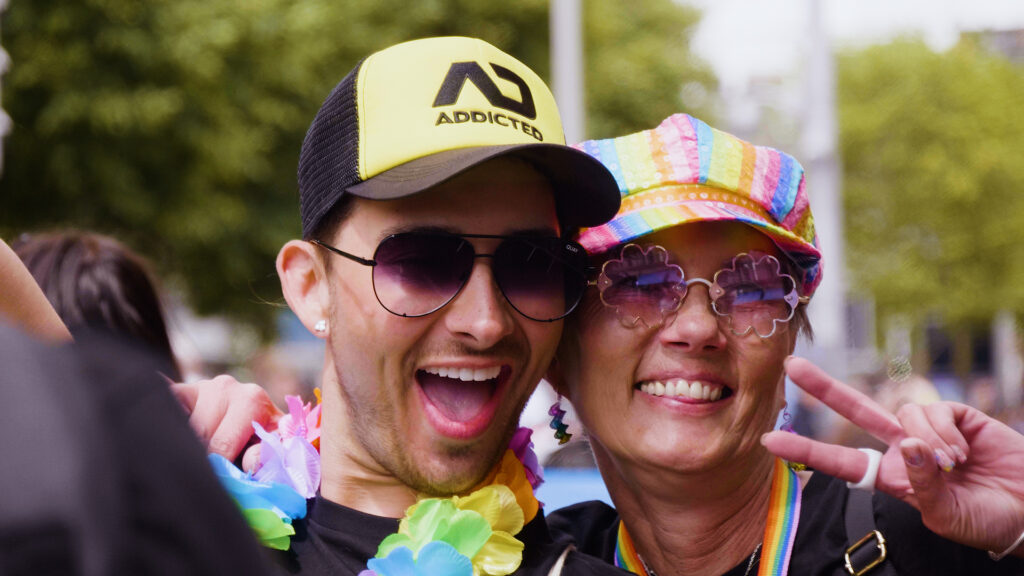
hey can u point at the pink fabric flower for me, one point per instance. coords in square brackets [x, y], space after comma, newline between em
[302, 420]
[523, 449]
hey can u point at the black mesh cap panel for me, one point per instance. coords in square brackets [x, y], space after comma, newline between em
[329, 160]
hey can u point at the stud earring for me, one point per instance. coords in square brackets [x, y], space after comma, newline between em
[557, 425]
[320, 327]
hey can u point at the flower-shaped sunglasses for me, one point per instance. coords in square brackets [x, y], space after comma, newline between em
[751, 293]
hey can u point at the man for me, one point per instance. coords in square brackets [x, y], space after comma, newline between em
[434, 189]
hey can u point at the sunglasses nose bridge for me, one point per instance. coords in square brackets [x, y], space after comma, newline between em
[480, 309]
[707, 284]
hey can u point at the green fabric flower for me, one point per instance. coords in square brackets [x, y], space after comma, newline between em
[270, 529]
[480, 526]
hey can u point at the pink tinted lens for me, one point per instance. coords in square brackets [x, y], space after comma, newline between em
[753, 294]
[642, 292]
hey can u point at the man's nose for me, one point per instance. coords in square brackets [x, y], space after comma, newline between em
[479, 311]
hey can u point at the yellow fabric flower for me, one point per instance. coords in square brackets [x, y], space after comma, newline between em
[502, 553]
[510, 472]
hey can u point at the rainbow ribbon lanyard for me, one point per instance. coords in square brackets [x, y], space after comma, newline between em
[779, 530]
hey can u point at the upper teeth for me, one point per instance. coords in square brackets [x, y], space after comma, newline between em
[680, 387]
[466, 374]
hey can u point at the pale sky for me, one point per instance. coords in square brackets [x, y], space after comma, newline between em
[744, 38]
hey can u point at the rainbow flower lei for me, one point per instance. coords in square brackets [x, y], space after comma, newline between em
[472, 535]
[288, 474]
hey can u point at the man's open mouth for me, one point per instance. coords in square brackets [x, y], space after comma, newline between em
[461, 394]
[687, 391]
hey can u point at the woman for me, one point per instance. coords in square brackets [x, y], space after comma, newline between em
[675, 364]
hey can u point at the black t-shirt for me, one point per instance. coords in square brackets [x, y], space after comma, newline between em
[820, 539]
[335, 540]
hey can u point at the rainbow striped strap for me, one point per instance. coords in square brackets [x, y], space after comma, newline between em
[783, 515]
[779, 530]
[626, 556]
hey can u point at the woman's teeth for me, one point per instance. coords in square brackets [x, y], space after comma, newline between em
[681, 388]
[466, 374]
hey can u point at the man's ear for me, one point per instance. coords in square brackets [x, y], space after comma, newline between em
[304, 284]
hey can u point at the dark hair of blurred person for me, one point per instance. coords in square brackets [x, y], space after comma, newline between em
[96, 282]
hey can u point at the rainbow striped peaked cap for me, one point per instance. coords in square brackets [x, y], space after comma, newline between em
[686, 171]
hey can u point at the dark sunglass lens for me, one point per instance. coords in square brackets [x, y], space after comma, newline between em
[542, 278]
[418, 273]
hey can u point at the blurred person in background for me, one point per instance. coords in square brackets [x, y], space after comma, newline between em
[80, 491]
[95, 282]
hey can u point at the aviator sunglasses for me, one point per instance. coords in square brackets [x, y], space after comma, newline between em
[418, 273]
[751, 293]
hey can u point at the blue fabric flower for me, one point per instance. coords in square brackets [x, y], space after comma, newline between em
[434, 558]
[252, 494]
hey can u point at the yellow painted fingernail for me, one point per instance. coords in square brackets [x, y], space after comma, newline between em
[944, 461]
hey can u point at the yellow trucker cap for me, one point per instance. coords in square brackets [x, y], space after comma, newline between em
[418, 113]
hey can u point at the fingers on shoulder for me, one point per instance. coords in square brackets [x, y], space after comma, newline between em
[212, 400]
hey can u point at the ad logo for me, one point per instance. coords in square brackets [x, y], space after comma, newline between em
[455, 80]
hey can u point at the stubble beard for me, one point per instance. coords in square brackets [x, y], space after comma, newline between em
[456, 471]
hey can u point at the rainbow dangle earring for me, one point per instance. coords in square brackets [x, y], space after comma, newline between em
[787, 419]
[557, 425]
[787, 426]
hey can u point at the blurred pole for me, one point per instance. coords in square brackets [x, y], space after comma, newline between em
[566, 26]
[5, 120]
[819, 143]
[1008, 366]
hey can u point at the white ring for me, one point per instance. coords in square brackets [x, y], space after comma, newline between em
[871, 474]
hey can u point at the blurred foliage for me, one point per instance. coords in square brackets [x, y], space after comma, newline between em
[933, 154]
[176, 124]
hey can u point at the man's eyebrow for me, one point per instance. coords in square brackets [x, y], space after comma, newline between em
[540, 232]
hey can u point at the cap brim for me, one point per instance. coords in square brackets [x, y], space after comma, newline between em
[638, 223]
[586, 193]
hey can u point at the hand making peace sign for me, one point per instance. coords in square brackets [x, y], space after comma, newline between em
[963, 470]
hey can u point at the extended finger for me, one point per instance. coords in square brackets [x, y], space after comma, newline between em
[845, 463]
[917, 425]
[851, 404]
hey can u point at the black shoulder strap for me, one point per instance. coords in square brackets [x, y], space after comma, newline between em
[868, 550]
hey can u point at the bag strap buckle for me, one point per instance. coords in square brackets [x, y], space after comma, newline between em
[864, 557]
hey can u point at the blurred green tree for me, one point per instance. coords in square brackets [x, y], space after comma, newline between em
[176, 124]
[933, 188]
